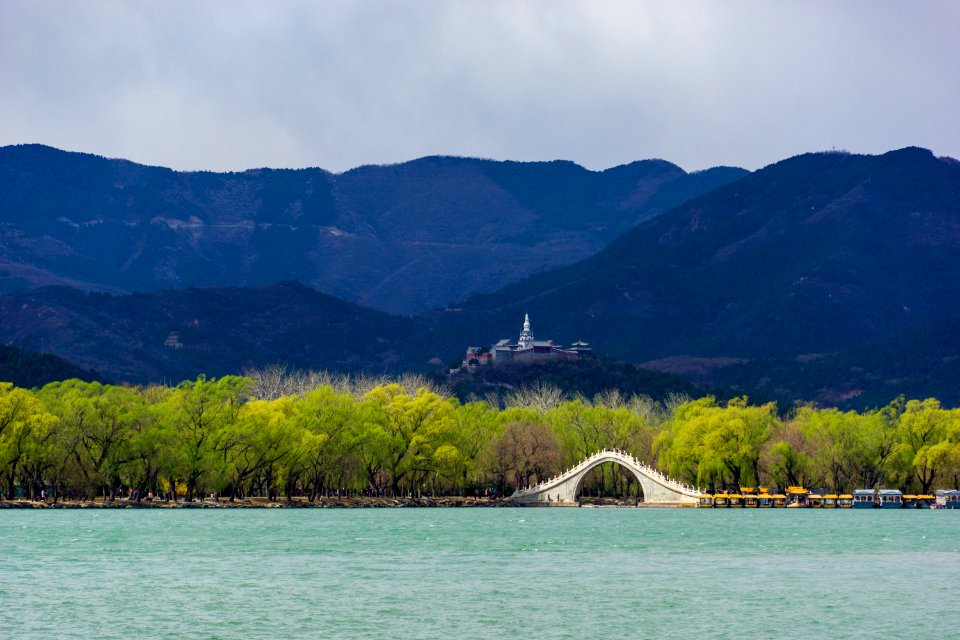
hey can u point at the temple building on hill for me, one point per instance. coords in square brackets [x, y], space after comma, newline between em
[525, 349]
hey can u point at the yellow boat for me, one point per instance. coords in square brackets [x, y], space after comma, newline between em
[814, 500]
[720, 501]
[845, 501]
[749, 497]
[797, 496]
[779, 500]
[706, 501]
[735, 500]
[830, 501]
[764, 500]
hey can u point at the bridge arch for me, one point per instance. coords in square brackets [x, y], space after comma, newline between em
[561, 490]
[640, 478]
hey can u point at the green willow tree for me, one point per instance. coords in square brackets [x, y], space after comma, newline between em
[717, 445]
[197, 411]
[409, 430]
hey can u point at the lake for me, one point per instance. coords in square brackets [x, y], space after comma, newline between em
[479, 573]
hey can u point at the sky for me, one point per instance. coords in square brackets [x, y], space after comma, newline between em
[235, 85]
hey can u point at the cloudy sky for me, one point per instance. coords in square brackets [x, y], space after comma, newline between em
[233, 85]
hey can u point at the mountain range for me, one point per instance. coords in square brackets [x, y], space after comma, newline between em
[828, 277]
[402, 238]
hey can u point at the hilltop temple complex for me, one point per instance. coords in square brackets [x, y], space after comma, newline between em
[525, 349]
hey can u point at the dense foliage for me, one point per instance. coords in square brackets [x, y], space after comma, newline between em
[585, 377]
[271, 435]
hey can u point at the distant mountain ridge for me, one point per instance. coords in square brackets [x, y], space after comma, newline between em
[402, 238]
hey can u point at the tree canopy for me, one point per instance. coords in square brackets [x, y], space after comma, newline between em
[234, 438]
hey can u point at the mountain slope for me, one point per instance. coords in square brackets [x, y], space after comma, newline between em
[26, 369]
[177, 334]
[812, 254]
[917, 363]
[402, 238]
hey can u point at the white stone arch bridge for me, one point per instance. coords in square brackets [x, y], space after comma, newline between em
[561, 490]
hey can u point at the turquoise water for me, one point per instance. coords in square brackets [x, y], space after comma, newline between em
[479, 573]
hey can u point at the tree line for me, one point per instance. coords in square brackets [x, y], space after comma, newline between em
[274, 434]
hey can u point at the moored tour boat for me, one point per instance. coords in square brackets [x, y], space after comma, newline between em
[890, 498]
[797, 496]
[749, 497]
[814, 500]
[845, 501]
[864, 498]
[830, 501]
[706, 501]
[948, 498]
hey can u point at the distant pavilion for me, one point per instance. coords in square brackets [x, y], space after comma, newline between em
[525, 349]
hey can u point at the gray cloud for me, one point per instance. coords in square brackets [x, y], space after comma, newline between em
[232, 85]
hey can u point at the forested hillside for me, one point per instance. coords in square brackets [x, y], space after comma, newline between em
[815, 255]
[172, 335]
[27, 369]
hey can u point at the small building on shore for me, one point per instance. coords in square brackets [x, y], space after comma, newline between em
[525, 349]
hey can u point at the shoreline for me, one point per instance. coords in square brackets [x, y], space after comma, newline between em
[264, 503]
